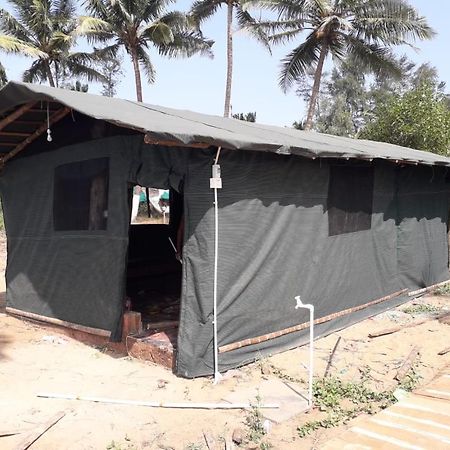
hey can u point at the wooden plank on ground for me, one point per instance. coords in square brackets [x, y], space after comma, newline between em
[34, 435]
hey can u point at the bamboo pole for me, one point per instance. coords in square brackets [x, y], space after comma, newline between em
[59, 322]
[156, 404]
[302, 326]
[427, 289]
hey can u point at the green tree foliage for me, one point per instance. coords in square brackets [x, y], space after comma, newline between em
[203, 9]
[46, 30]
[112, 71]
[249, 117]
[137, 25]
[364, 30]
[420, 119]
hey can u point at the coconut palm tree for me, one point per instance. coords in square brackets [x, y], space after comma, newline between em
[365, 30]
[46, 31]
[204, 9]
[135, 26]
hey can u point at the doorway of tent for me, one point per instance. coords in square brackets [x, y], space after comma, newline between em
[153, 284]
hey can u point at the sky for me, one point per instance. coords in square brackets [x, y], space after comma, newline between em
[198, 83]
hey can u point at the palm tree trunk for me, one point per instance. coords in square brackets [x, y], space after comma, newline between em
[137, 75]
[226, 111]
[50, 78]
[316, 87]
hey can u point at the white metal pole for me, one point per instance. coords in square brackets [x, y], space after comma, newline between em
[310, 307]
[216, 183]
[216, 259]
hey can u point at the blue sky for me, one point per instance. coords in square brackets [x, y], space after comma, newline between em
[198, 83]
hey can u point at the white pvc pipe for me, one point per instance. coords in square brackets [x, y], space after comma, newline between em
[217, 375]
[156, 404]
[310, 307]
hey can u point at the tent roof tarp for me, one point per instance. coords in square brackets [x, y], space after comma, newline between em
[187, 127]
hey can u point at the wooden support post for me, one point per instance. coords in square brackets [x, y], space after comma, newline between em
[57, 116]
[132, 323]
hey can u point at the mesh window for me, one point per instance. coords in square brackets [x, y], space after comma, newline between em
[80, 199]
[350, 196]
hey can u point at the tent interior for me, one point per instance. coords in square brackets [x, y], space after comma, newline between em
[153, 283]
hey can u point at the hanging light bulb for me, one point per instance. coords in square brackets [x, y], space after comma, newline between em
[49, 132]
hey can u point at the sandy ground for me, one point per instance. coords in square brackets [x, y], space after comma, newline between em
[35, 359]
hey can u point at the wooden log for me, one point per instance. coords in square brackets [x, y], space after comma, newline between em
[384, 332]
[157, 404]
[330, 359]
[14, 115]
[444, 352]
[295, 328]
[132, 323]
[427, 289]
[57, 116]
[53, 321]
[407, 364]
[34, 435]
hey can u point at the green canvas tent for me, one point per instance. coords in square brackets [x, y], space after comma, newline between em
[346, 224]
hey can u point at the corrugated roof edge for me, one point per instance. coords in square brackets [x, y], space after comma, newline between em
[188, 127]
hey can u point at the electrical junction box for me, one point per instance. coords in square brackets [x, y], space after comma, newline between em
[216, 181]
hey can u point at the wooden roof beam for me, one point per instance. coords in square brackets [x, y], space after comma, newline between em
[56, 117]
[14, 115]
[149, 139]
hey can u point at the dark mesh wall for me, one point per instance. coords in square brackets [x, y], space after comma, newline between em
[66, 252]
[274, 243]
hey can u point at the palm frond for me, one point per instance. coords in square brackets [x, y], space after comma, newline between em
[159, 33]
[186, 44]
[202, 10]
[79, 65]
[297, 63]
[11, 26]
[283, 37]
[390, 22]
[36, 73]
[93, 27]
[11, 44]
[146, 64]
[371, 57]
[250, 24]
[98, 9]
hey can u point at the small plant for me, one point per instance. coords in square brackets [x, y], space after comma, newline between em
[422, 308]
[284, 376]
[330, 392]
[411, 380]
[443, 290]
[254, 422]
[193, 446]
